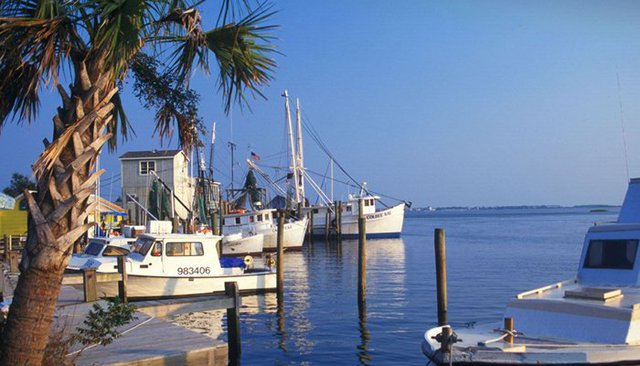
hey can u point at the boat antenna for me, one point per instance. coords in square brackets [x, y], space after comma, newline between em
[624, 137]
[213, 141]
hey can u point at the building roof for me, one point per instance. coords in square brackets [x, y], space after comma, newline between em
[155, 154]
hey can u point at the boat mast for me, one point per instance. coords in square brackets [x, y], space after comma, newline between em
[299, 150]
[292, 150]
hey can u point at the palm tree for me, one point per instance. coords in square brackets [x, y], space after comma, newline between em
[96, 45]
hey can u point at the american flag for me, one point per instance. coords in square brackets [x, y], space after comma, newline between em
[255, 156]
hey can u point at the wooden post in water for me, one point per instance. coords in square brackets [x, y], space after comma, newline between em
[299, 213]
[339, 220]
[445, 345]
[310, 227]
[508, 326]
[2, 287]
[14, 262]
[122, 284]
[362, 251]
[441, 276]
[4, 243]
[233, 323]
[280, 248]
[214, 222]
[327, 224]
[89, 284]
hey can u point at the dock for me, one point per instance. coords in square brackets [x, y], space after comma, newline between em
[149, 340]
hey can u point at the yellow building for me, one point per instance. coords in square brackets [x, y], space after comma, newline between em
[14, 221]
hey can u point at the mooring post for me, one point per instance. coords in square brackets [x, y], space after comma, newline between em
[14, 262]
[339, 220]
[1, 285]
[441, 276]
[233, 323]
[362, 251]
[89, 284]
[445, 345]
[122, 283]
[280, 248]
[214, 223]
[508, 327]
[310, 227]
[7, 246]
[300, 215]
[327, 224]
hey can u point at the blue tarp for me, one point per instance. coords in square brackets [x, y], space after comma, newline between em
[232, 262]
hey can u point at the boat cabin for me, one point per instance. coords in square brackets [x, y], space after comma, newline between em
[177, 255]
[352, 207]
[248, 218]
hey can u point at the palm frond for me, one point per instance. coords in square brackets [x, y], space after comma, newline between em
[243, 52]
[31, 54]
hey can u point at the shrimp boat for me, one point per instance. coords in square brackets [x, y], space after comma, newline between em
[242, 243]
[264, 222]
[592, 319]
[385, 223]
[174, 265]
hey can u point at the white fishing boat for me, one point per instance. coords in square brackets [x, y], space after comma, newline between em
[170, 265]
[592, 319]
[242, 243]
[264, 222]
[101, 252]
[386, 223]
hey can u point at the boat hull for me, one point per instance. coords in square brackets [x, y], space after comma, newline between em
[145, 287]
[525, 351]
[380, 225]
[294, 233]
[247, 245]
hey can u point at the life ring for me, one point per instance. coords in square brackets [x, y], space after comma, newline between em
[248, 260]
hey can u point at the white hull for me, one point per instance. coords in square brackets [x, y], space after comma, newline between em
[294, 233]
[246, 245]
[381, 224]
[525, 350]
[157, 287]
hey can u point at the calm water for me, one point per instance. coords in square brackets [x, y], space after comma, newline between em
[491, 256]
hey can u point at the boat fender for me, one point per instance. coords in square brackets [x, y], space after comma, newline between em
[270, 261]
[248, 260]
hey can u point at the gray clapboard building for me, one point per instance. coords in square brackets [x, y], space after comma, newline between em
[138, 170]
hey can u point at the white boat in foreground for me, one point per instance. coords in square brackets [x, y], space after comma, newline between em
[593, 319]
[242, 243]
[101, 252]
[169, 265]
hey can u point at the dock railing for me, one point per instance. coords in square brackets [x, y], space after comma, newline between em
[164, 308]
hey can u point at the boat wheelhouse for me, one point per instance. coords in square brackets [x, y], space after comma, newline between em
[170, 265]
[593, 318]
[101, 253]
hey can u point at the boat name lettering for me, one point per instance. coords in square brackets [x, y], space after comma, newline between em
[193, 270]
[378, 215]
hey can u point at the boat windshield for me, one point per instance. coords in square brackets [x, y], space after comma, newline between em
[143, 245]
[113, 251]
[94, 248]
[611, 254]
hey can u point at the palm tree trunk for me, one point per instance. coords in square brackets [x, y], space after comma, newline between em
[58, 213]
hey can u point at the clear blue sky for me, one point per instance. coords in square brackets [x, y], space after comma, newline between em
[438, 102]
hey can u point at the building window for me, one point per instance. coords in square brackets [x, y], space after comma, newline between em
[237, 221]
[147, 166]
[259, 217]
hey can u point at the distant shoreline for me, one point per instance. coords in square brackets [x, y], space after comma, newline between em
[521, 207]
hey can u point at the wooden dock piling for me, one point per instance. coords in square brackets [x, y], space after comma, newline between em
[339, 220]
[441, 275]
[327, 224]
[362, 251]
[122, 283]
[508, 327]
[89, 281]
[280, 248]
[233, 323]
[14, 262]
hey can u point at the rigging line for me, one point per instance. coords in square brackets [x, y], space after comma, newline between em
[624, 138]
[323, 147]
